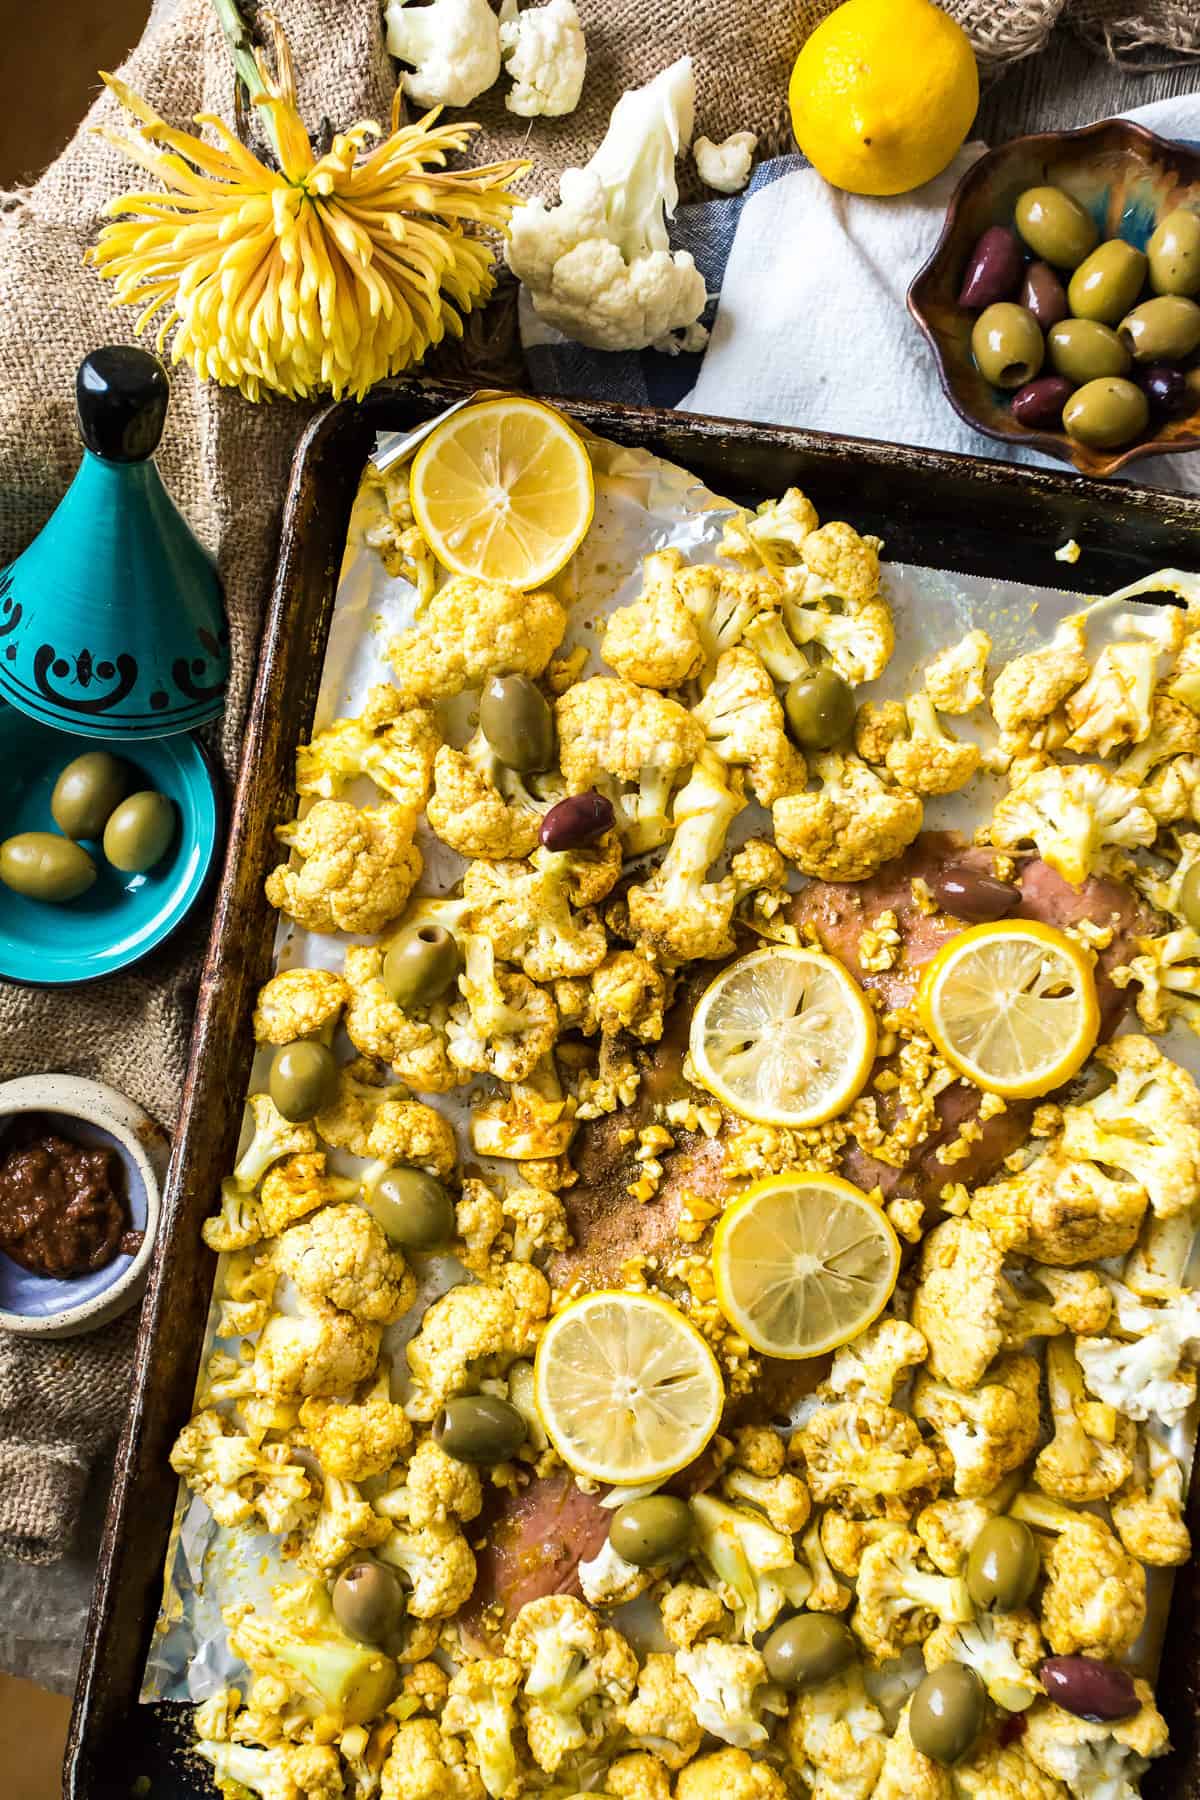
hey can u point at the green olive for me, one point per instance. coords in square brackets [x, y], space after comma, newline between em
[139, 831]
[1189, 897]
[1002, 1566]
[1107, 283]
[43, 866]
[1106, 413]
[413, 1208]
[368, 1602]
[86, 793]
[1084, 349]
[480, 1428]
[947, 1713]
[819, 708]
[1008, 344]
[1174, 253]
[1055, 226]
[1165, 329]
[303, 1079]
[517, 722]
[808, 1649]
[651, 1531]
[420, 965]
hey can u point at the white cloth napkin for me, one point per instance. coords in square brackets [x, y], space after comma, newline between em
[813, 328]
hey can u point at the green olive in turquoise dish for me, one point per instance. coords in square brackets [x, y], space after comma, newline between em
[139, 832]
[1106, 283]
[303, 1079]
[1055, 226]
[1007, 343]
[808, 1649]
[1174, 253]
[419, 965]
[413, 1208]
[651, 1531]
[42, 866]
[820, 708]
[947, 1713]
[1106, 413]
[1084, 349]
[87, 792]
[1165, 329]
[480, 1428]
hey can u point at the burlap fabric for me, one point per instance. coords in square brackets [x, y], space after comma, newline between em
[1131, 28]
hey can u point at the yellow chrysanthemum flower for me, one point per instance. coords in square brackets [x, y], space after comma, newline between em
[323, 275]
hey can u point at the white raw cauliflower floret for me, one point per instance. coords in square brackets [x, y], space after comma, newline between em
[599, 266]
[545, 53]
[726, 166]
[454, 46]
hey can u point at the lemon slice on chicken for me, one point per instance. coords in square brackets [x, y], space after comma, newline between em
[803, 1262]
[784, 1036]
[1012, 1005]
[626, 1388]
[503, 491]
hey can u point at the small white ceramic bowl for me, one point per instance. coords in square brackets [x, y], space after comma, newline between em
[92, 1113]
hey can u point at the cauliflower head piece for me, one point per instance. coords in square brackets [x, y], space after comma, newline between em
[546, 55]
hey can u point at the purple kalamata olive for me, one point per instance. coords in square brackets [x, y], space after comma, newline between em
[576, 821]
[1166, 389]
[1044, 295]
[1041, 402]
[1090, 1690]
[994, 271]
[973, 894]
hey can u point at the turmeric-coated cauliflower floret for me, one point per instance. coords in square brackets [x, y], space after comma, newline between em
[626, 993]
[345, 1522]
[470, 630]
[844, 1539]
[474, 1330]
[1098, 1759]
[744, 724]
[729, 1775]
[661, 1716]
[436, 1487]
[852, 824]
[827, 1593]
[690, 1613]
[353, 1439]
[868, 1459]
[908, 1774]
[638, 1776]
[439, 1563]
[297, 1186]
[280, 1772]
[1076, 817]
[425, 1765]
[835, 1738]
[376, 1122]
[877, 1362]
[607, 1579]
[237, 1479]
[729, 1682]
[358, 866]
[630, 744]
[477, 808]
[678, 915]
[1166, 971]
[1005, 1649]
[958, 1302]
[577, 1676]
[954, 680]
[994, 1770]
[1027, 689]
[1113, 706]
[506, 1024]
[908, 740]
[320, 1351]
[298, 1003]
[537, 1220]
[1148, 1371]
[1094, 1601]
[774, 533]
[782, 1496]
[526, 914]
[654, 641]
[724, 603]
[481, 1706]
[340, 1257]
[478, 1222]
[1062, 1210]
[1146, 1123]
[1078, 1298]
[988, 1431]
[413, 1043]
[1148, 1511]
[947, 1528]
[899, 1601]
[751, 1563]
[834, 601]
[392, 745]
[1091, 1452]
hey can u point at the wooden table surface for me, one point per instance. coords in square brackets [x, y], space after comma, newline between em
[1065, 86]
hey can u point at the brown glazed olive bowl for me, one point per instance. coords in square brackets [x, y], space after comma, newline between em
[1128, 179]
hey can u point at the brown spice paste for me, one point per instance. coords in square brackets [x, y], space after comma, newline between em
[63, 1205]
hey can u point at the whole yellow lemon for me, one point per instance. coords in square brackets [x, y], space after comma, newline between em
[882, 94]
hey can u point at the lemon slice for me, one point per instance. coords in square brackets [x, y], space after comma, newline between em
[803, 1262]
[626, 1388]
[503, 490]
[1012, 1006]
[784, 1036]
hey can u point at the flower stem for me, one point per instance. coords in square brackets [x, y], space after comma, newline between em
[240, 44]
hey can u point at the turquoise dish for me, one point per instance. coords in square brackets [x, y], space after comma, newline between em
[121, 918]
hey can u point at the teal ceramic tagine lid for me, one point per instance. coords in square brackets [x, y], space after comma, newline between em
[111, 622]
